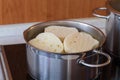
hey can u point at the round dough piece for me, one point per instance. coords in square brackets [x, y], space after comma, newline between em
[61, 31]
[79, 42]
[47, 42]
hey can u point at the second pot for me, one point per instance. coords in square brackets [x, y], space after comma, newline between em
[112, 44]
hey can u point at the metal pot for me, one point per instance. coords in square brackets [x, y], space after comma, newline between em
[112, 44]
[43, 65]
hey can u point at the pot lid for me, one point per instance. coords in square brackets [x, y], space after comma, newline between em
[115, 4]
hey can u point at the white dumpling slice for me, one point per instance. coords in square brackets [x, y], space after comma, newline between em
[47, 42]
[61, 31]
[79, 42]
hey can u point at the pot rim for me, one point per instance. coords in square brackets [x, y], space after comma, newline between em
[76, 53]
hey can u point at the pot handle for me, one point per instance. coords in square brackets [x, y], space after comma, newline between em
[81, 60]
[100, 9]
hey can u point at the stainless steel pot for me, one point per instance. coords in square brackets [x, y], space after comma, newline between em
[112, 44]
[43, 65]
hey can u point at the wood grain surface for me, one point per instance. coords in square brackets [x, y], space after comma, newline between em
[21, 11]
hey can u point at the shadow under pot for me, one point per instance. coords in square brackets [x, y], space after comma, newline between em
[44, 65]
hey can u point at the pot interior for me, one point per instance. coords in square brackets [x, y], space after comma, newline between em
[34, 30]
[115, 4]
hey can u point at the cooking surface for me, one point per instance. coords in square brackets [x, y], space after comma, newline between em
[2, 77]
[4, 67]
[16, 56]
[17, 62]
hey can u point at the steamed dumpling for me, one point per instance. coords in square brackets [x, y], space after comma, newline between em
[61, 31]
[47, 42]
[79, 42]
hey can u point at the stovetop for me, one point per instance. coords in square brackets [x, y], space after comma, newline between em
[16, 57]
